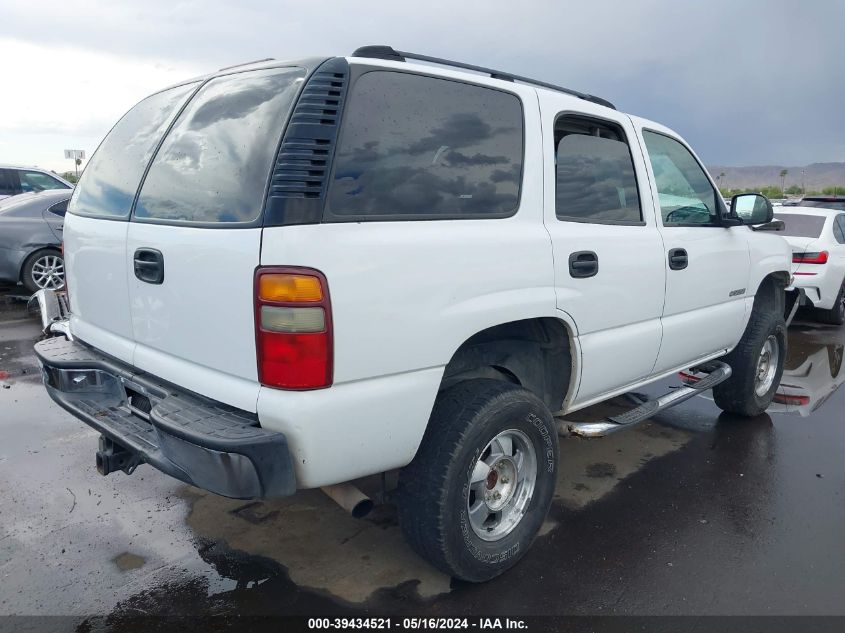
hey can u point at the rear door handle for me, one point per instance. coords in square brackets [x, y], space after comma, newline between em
[583, 264]
[678, 259]
[149, 265]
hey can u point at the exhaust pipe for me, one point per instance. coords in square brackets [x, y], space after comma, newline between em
[350, 498]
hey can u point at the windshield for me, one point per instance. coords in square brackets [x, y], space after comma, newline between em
[802, 225]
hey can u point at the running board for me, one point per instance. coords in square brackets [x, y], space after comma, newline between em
[716, 372]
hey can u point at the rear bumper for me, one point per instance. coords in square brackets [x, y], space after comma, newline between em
[191, 438]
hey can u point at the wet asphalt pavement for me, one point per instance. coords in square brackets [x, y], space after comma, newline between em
[693, 513]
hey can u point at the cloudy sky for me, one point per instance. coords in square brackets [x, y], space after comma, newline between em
[744, 81]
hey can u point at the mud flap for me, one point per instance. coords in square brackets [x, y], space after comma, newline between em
[794, 299]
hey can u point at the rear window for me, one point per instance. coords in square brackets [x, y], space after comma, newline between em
[801, 225]
[838, 205]
[111, 178]
[418, 147]
[214, 164]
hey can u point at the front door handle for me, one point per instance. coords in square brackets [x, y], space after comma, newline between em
[678, 259]
[149, 265]
[583, 264]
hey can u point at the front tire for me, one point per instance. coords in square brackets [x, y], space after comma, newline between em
[757, 365]
[481, 483]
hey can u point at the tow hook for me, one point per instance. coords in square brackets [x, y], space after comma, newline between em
[113, 457]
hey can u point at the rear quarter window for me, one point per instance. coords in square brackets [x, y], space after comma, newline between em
[215, 162]
[419, 147]
[111, 178]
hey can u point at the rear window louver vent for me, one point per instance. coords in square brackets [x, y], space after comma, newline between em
[303, 163]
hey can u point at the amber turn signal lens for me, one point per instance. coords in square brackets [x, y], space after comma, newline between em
[289, 288]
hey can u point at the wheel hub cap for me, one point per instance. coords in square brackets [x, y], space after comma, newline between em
[501, 484]
[767, 365]
[49, 272]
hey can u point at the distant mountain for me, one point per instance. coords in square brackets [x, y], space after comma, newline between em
[815, 177]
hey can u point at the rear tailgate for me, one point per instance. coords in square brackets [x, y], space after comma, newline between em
[96, 225]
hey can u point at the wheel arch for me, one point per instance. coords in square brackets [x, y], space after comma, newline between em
[537, 353]
[769, 295]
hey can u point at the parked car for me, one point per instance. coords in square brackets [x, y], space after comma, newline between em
[30, 239]
[817, 238]
[824, 202]
[295, 274]
[17, 180]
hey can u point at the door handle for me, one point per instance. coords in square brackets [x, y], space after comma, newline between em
[678, 259]
[583, 264]
[149, 265]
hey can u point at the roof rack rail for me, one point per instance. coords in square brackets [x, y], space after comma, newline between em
[256, 61]
[389, 53]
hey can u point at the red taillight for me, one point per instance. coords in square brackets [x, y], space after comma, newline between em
[810, 258]
[293, 336]
[782, 398]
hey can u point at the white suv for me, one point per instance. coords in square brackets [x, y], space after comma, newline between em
[295, 274]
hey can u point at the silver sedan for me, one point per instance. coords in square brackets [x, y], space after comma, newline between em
[31, 237]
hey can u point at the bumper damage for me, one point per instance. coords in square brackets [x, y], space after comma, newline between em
[144, 420]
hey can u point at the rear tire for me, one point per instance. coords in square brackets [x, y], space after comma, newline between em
[45, 268]
[481, 483]
[757, 366]
[836, 315]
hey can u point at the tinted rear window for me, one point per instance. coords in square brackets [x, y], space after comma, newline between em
[839, 205]
[110, 180]
[802, 225]
[214, 164]
[413, 146]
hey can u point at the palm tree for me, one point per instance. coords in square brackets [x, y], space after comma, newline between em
[783, 173]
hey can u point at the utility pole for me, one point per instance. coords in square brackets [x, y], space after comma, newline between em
[803, 187]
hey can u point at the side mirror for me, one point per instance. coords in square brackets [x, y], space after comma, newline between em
[752, 208]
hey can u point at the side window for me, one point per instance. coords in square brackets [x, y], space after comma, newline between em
[37, 181]
[110, 180]
[214, 164]
[9, 182]
[839, 229]
[5, 183]
[418, 147]
[685, 194]
[595, 180]
[60, 208]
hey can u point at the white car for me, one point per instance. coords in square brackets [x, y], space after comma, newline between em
[817, 239]
[295, 274]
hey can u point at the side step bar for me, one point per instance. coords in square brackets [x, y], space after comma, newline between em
[716, 372]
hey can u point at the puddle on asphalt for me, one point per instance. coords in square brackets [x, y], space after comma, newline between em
[325, 549]
[128, 561]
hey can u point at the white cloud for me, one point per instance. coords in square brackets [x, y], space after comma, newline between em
[68, 98]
